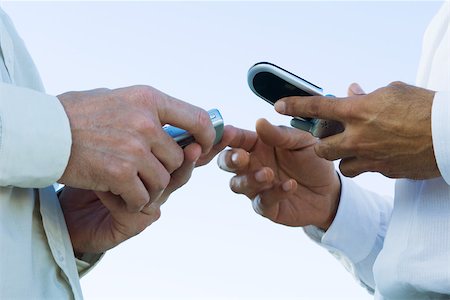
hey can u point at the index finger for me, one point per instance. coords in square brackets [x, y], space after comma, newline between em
[191, 118]
[320, 107]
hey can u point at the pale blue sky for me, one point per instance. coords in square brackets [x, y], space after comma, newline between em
[209, 243]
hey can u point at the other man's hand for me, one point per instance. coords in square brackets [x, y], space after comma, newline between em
[277, 169]
[387, 131]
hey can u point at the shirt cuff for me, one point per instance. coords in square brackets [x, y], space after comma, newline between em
[35, 137]
[357, 223]
[440, 116]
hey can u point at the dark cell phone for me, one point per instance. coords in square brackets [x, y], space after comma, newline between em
[272, 83]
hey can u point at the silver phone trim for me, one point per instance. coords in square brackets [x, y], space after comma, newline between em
[292, 79]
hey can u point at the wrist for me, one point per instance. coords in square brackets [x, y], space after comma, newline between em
[334, 199]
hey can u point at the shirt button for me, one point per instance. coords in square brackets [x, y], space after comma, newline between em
[59, 256]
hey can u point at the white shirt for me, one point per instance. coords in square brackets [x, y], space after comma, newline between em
[36, 255]
[403, 252]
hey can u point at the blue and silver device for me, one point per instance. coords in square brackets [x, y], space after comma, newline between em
[272, 83]
[184, 138]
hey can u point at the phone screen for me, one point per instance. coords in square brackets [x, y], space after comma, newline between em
[274, 88]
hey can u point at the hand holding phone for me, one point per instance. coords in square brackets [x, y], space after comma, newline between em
[184, 138]
[272, 83]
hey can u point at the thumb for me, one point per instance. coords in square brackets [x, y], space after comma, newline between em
[282, 136]
[355, 89]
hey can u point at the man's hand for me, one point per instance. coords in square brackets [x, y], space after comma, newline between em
[118, 144]
[278, 170]
[98, 221]
[387, 131]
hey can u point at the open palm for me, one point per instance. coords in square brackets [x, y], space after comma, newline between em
[277, 168]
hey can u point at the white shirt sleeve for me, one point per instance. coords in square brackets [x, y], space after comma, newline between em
[440, 127]
[357, 233]
[35, 138]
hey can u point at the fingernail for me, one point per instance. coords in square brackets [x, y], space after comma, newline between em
[280, 107]
[234, 158]
[260, 176]
[287, 186]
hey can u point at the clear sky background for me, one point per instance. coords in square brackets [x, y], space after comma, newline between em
[209, 243]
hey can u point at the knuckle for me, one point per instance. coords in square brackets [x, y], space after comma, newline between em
[162, 182]
[133, 207]
[313, 108]
[322, 151]
[144, 95]
[203, 118]
[384, 169]
[177, 159]
[236, 184]
[347, 170]
[292, 105]
[122, 171]
[142, 201]
[156, 214]
[203, 121]
[144, 91]
[142, 124]
[397, 83]
[350, 109]
[351, 143]
[137, 149]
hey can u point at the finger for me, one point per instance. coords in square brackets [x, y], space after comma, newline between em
[134, 193]
[168, 152]
[333, 148]
[234, 160]
[188, 117]
[243, 139]
[154, 176]
[253, 183]
[229, 132]
[181, 176]
[112, 202]
[283, 137]
[355, 89]
[265, 201]
[154, 143]
[314, 107]
[353, 166]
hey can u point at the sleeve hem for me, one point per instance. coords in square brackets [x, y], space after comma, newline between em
[441, 131]
[35, 138]
[356, 225]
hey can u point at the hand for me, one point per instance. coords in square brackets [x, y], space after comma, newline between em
[118, 144]
[278, 170]
[387, 131]
[98, 221]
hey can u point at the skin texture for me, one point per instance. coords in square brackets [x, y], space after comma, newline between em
[278, 170]
[98, 221]
[386, 131]
[119, 147]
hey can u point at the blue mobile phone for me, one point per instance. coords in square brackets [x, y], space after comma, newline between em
[184, 138]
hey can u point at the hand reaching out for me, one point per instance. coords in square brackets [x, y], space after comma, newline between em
[277, 168]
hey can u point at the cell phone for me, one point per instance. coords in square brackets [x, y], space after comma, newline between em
[272, 83]
[184, 138]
